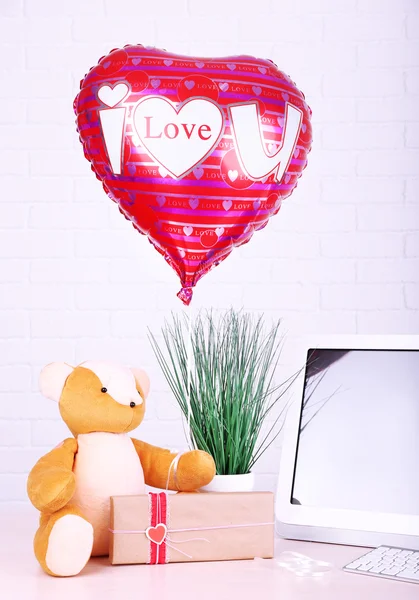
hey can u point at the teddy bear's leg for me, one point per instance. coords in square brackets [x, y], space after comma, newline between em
[63, 543]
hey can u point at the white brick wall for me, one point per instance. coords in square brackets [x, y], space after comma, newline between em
[77, 282]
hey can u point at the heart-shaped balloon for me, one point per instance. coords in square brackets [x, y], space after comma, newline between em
[197, 152]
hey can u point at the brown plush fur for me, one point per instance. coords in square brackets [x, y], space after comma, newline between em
[46, 523]
[85, 409]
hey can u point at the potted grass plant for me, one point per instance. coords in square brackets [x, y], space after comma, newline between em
[220, 370]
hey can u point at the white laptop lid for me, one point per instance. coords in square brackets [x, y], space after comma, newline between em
[351, 450]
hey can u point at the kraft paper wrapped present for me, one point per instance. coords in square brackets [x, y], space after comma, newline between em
[158, 528]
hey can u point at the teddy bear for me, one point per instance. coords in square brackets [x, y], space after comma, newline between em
[71, 486]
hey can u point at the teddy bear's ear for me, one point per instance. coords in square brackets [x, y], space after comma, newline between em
[142, 380]
[52, 380]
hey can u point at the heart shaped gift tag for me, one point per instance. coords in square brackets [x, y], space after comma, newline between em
[157, 534]
[189, 147]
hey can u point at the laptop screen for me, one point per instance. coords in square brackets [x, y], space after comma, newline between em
[358, 445]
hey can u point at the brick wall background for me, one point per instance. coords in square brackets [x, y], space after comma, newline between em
[76, 280]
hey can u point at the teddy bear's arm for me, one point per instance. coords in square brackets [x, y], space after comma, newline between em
[195, 468]
[51, 483]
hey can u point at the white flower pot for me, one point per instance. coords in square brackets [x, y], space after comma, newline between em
[231, 483]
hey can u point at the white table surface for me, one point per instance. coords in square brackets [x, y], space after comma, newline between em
[21, 578]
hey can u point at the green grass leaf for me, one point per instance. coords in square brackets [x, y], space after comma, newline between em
[225, 368]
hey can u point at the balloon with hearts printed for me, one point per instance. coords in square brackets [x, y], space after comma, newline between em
[198, 153]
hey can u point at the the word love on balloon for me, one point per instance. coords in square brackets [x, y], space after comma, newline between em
[180, 136]
[198, 153]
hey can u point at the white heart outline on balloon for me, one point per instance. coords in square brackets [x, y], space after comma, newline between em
[233, 174]
[177, 107]
[111, 89]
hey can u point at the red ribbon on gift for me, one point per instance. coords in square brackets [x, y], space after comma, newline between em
[157, 531]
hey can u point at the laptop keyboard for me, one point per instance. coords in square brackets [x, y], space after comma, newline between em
[388, 562]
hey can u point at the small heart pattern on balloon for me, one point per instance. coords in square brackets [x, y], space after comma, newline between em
[197, 153]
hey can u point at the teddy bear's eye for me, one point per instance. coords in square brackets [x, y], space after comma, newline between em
[104, 390]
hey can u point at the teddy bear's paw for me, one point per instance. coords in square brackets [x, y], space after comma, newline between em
[69, 546]
[51, 490]
[196, 469]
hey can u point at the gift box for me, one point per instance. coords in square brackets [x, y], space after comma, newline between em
[158, 528]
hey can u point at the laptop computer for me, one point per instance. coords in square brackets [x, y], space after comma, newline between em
[349, 470]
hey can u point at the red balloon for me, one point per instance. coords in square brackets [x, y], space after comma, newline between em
[197, 152]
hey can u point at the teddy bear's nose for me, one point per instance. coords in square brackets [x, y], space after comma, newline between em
[132, 404]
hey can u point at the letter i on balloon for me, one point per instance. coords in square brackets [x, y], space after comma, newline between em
[112, 121]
